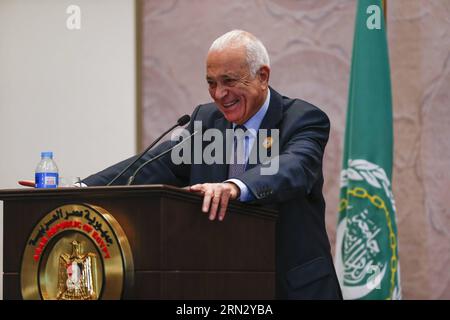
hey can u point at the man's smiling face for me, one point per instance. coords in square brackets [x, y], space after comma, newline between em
[237, 94]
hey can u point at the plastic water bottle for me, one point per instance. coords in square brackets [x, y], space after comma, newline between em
[46, 175]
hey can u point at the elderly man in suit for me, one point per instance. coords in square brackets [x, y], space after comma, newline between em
[237, 73]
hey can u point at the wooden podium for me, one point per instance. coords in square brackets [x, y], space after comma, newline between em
[177, 252]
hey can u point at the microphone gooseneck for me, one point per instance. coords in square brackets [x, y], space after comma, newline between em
[183, 120]
[131, 179]
[180, 122]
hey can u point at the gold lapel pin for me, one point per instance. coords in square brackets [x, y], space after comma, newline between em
[267, 143]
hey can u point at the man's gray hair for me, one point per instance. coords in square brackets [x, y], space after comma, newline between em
[257, 55]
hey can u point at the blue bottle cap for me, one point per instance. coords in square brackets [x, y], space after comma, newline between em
[47, 154]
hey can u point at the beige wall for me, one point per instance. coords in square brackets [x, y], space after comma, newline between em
[310, 43]
[72, 92]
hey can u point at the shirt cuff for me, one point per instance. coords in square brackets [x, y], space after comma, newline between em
[245, 194]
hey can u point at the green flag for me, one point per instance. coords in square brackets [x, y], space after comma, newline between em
[366, 244]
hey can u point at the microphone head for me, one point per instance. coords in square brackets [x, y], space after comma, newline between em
[183, 120]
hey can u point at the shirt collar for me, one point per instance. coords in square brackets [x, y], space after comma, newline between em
[255, 121]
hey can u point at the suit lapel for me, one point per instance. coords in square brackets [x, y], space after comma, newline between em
[270, 121]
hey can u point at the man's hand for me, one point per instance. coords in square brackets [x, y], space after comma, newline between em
[215, 195]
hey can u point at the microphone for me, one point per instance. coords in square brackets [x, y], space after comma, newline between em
[180, 122]
[131, 179]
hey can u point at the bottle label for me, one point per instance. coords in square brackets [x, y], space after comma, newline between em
[46, 180]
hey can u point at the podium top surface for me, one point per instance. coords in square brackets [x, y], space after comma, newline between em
[23, 194]
[104, 191]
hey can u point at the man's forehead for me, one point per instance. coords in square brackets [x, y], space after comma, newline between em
[223, 74]
[219, 65]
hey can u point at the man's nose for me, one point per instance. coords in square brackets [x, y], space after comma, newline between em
[220, 92]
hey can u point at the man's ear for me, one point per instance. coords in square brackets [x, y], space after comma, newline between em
[264, 75]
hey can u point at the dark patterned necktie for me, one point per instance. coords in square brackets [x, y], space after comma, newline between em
[237, 167]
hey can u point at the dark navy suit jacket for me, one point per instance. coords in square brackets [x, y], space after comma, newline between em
[304, 266]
